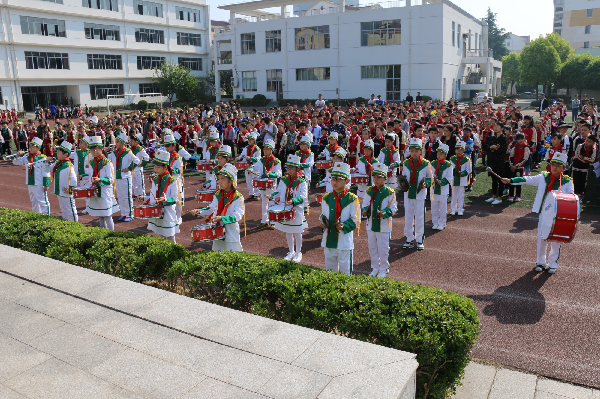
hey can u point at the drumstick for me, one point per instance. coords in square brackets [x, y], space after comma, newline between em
[492, 172]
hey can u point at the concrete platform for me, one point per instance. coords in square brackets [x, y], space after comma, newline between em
[68, 332]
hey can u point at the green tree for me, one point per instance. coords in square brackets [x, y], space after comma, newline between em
[187, 88]
[171, 78]
[561, 45]
[496, 36]
[592, 74]
[225, 79]
[573, 73]
[540, 63]
[510, 69]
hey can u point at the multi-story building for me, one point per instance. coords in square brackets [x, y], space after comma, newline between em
[300, 9]
[516, 43]
[578, 22]
[427, 46]
[91, 49]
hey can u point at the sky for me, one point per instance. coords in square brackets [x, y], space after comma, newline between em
[521, 17]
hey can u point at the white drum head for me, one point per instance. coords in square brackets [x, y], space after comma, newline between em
[547, 215]
[276, 207]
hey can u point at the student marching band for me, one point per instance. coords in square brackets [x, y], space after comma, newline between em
[434, 158]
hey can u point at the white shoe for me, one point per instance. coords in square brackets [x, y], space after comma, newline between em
[374, 273]
[297, 258]
[382, 273]
[497, 201]
[84, 212]
[452, 213]
[490, 199]
[441, 228]
[289, 256]
[420, 246]
[435, 227]
[460, 213]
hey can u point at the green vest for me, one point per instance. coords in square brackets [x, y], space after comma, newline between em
[376, 202]
[81, 155]
[332, 234]
[412, 188]
[31, 169]
[437, 189]
[63, 165]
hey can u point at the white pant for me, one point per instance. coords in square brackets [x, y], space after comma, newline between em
[39, 200]
[379, 249]
[68, 209]
[457, 203]
[249, 179]
[85, 181]
[138, 183]
[221, 245]
[338, 260]
[439, 210]
[542, 247]
[414, 220]
[264, 206]
[124, 196]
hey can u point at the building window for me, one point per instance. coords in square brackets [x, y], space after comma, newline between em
[187, 14]
[557, 9]
[248, 43]
[380, 33]
[476, 41]
[146, 88]
[312, 37]
[147, 62]
[313, 74]
[104, 61]
[37, 60]
[111, 5]
[189, 39]
[274, 80]
[99, 92]
[588, 29]
[558, 31]
[54, 1]
[458, 38]
[249, 80]
[558, 17]
[453, 34]
[102, 32]
[558, 24]
[590, 12]
[195, 64]
[273, 41]
[392, 84]
[373, 72]
[586, 44]
[144, 35]
[43, 26]
[143, 7]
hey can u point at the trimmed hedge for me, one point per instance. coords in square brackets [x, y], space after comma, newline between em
[439, 326]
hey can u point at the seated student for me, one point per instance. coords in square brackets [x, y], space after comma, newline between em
[269, 166]
[36, 177]
[339, 218]
[379, 206]
[546, 182]
[65, 179]
[226, 209]
[443, 171]
[292, 192]
[165, 191]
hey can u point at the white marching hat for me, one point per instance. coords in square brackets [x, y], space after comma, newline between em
[36, 142]
[230, 171]
[269, 143]
[122, 137]
[443, 148]
[416, 143]
[380, 169]
[66, 146]
[305, 139]
[341, 169]
[341, 152]
[370, 144]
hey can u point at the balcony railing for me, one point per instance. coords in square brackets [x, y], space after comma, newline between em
[224, 61]
[468, 53]
[473, 79]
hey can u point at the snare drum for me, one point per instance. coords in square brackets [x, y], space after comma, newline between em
[319, 198]
[148, 211]
[204, 165]
[323, 164]
[359, 179]
[278, 213]
[208, 232]
[205, 195]
[263, 184]
[84, 192]
[559, 217]
[390, 173]
[242, 165]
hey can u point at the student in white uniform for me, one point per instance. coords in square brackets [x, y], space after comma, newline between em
[269, 166]
[81, 159]
[379, 206]
[330, 148]
[122, 159]
[37, 177]
[390, 157]
[251, 153]
[139, 185]
[339, 218]
[365, 166]
[307, 159]
[462, 172]
[293, 193]
[339, 156]
[103, 205]
[223, 157]
[227, 209]
[442, 173]
[65, 178]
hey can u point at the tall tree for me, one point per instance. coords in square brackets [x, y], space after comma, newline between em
[561, 45]
[496, 36]
[573, 73]
[540, 63]
[510, 70]
[592, 74]
[174, 79]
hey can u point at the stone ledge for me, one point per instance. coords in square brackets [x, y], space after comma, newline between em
[129, 321]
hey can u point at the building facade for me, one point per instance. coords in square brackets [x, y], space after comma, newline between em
[516, 43]
[430, 46]
[89, 50]
[578, 22]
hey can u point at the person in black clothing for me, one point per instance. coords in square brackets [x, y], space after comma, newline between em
[432, 145]
[450, 139]
[495, 147]
[419, 97]
[409, 98]
[40, 129]
[543, 104]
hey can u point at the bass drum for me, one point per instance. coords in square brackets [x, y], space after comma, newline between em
[559, 217]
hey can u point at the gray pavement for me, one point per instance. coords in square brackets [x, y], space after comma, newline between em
[69, 332]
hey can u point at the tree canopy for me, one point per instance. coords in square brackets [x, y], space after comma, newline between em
[573, 72]
[176, 80]
[539, 62]
[561, 45]
[496, 36]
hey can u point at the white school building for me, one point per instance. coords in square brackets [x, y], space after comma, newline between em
[91, 49]
[390, 48]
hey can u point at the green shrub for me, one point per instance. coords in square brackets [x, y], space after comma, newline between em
[426, 98]
[499, 99]
[142, 105]
[535, 103]
[439, 326]
[260, 100]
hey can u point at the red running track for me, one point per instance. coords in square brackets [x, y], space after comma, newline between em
[546, 325]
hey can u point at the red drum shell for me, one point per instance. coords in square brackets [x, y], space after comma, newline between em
[208, 232]
[242, 165]
[263, 183]
[566, 217]
[148, 211]
[323, 164]
[319, 198]
[204, 165]
[359, 179]
[281, 215]
[205, 195]
[84, 192]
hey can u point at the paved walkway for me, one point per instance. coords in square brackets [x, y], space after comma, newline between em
[68, 332]
[484, 381]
